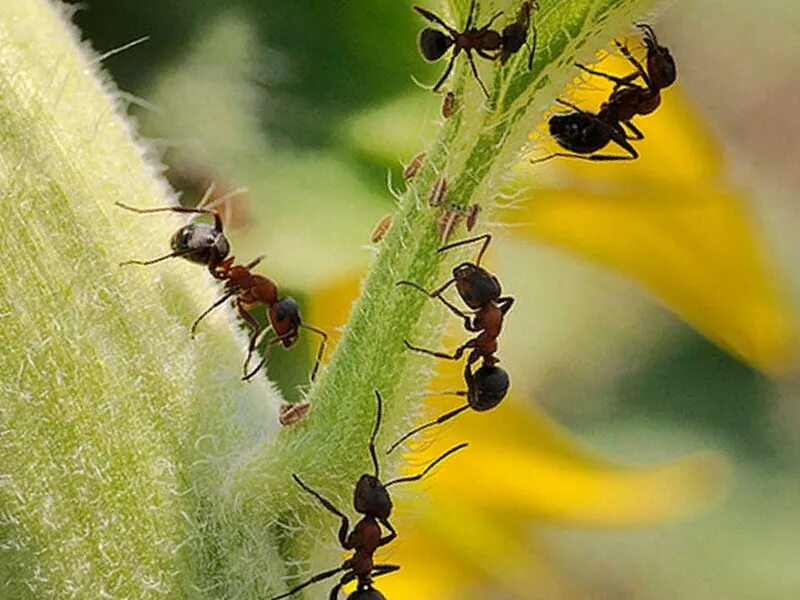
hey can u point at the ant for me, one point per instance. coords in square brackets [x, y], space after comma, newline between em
[196, 242]
[251, 290]
[484, 41]
[583, 132]
[629, 99]
[370, 499]
[481, 291]
[486, 388]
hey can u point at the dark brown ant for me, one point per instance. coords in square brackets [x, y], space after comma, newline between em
[484, 41]
[629, 99]
[251, 290]
[583, 132]
[481, 291]
[200, 243]
[486, 388]
[516, 33]
[371, 499]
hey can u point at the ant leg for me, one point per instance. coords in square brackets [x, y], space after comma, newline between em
[570, 105]
[153, 261]
[495, 16]
[593, 157]
[459, 352]
[255, 261]
[432, 294]
[392, 533]
[637, 135]
[620, 81]
[255, 326]
[631, 59]
[470, 14]
[322, 344]
[343, 528]
[346, 578]
[447, 71]
[486, 237]
[384, 569]
[178, 209]
[263, 360]
[318, 577]
[206, 312]
[437, 294]
[475, 73]
[533, 47]
[427, 469]
[433, 18]
[437, 421]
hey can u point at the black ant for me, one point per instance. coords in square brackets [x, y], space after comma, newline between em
[251, 290]
[584, 132]
[484, 41]
[197, 242]
[481, 291]
[486, 388]
[371, 499]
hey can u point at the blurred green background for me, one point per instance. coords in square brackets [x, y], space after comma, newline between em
[310, 104]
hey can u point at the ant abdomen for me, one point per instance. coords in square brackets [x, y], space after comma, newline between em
[285, 318]
[490, 387]
[433, 44]
[368, 594]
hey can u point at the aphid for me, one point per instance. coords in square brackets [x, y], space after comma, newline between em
[448, 104]
[370, 499]
[481, 292]
[486, 388]
[438, 192]
[293, 413]
[413, 167]
[250, 290]
[472, 216]
[483, 41]
[200, 243]
[381, 228]
[448, 221]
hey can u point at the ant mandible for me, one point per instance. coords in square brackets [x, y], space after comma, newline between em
[481, 291]
[251, 290]
[200, 243]
[484, 41]
[370, 499]
[486, 388]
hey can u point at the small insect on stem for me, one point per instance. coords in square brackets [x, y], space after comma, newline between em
[370, 499]
[291, 414]
[413, 167]
[448, 105]
[447, 222]
[381, 228]
[472, 216]
[438, 192]
[483, 41]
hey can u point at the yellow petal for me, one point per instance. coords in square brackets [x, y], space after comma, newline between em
[692, 245]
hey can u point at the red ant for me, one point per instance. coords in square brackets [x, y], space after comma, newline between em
[481, 291]
[583, 132]
[197, 242]
[486, 388]
[371, 499]
[251, 290]
[484, 41]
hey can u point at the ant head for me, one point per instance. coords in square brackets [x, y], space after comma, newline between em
[486, 387]
[476, 286]
[371, 498]
[285, 318]
[199, 242]
[579, 131]
[367, 594]
[434, 43]
[660, 64]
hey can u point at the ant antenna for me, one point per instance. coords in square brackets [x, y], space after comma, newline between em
[207, 195]
[372, 452]
[486, 237]
[437, 421]
[153, 261]
[427, 470]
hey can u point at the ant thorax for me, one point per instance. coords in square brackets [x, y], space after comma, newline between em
[198, 240]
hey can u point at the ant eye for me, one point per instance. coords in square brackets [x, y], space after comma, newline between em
[433, 44]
